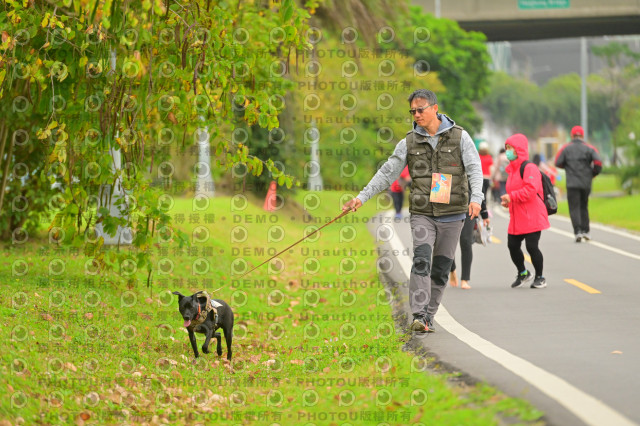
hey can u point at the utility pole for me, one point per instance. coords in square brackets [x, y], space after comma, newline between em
[314, 182]
[204, 182]
[584, 72]
[437, 12]
[108, 196]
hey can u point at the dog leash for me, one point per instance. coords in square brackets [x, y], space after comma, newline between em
[344, 213]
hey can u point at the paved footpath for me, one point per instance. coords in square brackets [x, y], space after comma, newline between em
[572, 349]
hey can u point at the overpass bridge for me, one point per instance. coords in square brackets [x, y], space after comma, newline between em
[513, 20]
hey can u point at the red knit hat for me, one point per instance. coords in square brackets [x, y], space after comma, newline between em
[577, 131]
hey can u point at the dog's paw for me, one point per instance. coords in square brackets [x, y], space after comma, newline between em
[205, 350]
[219, 352]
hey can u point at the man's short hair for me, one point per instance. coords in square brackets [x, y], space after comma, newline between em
[424, 94]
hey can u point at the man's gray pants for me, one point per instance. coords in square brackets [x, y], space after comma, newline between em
[434, 247]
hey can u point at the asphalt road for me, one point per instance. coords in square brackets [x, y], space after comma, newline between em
[572, 349]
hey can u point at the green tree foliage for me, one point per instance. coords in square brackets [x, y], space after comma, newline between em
[620, 81]
[356, 97]
[562, 95]
[524, 107]
[460, 59]
[627, 136]
[349, 20]
[517, 104]
[27, 194]
[80, 79]
[367, 17]
[359, 40]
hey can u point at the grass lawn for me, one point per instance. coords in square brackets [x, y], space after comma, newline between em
[601, 184]
[314, 340]
[620, 212]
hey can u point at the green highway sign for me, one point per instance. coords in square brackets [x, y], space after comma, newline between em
[543, 4]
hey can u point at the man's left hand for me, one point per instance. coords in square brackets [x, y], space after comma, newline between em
[474, 210]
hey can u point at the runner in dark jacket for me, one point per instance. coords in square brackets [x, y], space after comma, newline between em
[581, 163]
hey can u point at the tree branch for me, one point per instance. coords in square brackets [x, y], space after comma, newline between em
[6, 166]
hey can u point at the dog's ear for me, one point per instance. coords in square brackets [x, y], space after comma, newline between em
[180, 295]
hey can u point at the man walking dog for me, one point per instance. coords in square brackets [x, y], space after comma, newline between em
[444, 164]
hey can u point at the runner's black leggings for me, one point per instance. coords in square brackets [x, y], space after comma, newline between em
[398, 198]
[466, 251]
[514, 242]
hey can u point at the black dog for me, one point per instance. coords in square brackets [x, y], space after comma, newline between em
[205, 315]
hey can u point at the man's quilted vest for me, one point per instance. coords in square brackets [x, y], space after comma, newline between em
[423, 160]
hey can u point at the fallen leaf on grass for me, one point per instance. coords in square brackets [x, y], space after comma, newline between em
[294, 285]
[269, 362]
[215, 398]
[88, 315]
[297, 361]
[417, 417]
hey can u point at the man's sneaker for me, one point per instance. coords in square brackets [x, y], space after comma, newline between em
[430, 327]
[522, 279]
[419, 325]
[539, 282]
[578, 238]
[586, 236]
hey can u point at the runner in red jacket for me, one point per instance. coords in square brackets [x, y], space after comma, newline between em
[528, 215]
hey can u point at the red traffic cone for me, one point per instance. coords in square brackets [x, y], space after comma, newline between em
[270, 199]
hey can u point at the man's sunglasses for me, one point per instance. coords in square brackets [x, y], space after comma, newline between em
[420, 110]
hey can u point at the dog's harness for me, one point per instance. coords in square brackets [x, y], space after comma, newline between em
[210, 305]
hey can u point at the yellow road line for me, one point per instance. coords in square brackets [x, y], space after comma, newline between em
[528, 258]
[495, 240]
[582, 286]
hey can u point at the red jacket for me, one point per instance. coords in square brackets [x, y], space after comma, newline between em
[395, 186]
[486, 161]
[526, 209]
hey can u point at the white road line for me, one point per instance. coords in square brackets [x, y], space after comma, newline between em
[587, 408]
[502, 214]
[620, 232]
